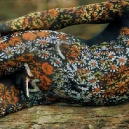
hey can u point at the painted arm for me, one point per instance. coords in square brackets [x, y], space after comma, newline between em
[54, 19]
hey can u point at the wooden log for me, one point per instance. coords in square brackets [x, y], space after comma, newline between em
[62, 116]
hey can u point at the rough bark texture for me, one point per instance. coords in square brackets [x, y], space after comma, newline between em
[62, 116]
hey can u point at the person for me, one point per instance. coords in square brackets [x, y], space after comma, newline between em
[68, 68]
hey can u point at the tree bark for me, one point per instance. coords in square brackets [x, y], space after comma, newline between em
[63, 116]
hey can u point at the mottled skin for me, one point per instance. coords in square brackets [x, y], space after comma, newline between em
[88, 72]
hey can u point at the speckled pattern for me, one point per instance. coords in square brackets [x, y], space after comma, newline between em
[70, 69]
[54, 19]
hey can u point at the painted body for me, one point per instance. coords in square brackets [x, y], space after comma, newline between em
[87, 72]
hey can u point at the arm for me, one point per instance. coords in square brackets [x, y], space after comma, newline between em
[54, 19]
